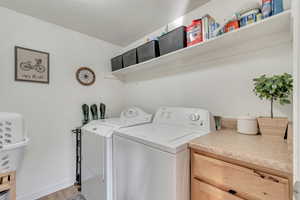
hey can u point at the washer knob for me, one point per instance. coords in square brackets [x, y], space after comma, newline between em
[194, 117]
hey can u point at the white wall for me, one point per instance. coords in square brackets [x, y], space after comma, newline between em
[224, 87]
[296, 69]
[51, 111]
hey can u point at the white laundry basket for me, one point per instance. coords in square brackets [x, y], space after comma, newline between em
[4, 195]
[12, 141]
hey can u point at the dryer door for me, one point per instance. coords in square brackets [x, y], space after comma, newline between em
[142, 172]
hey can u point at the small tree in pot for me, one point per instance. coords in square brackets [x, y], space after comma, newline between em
[276, 88]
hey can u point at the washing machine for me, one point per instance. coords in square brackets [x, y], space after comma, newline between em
[97, 163]
[152, 161]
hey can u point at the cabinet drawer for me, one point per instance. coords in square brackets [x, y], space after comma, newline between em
[247, 183]
[203, 191]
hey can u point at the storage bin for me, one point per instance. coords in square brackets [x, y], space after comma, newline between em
[117, 63]
[250, 16]
[4, 195]
[172, 41]
[148, 51]
[130, 58]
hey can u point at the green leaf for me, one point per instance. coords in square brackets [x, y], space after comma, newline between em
[278, 87]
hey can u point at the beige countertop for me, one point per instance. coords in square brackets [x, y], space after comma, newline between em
[265, 151]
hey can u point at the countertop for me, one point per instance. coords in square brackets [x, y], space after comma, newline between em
[265, 151]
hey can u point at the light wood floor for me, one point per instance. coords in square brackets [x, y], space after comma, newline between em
[61, 195]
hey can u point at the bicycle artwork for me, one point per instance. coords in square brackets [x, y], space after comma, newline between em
[38, 67]
[31, 65]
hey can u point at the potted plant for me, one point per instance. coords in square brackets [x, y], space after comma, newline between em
[277, 88]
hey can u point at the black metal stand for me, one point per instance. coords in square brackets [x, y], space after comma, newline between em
[77, 132]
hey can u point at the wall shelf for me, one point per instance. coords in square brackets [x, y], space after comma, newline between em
[264, 34]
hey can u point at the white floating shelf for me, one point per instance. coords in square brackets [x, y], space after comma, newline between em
[264, 34]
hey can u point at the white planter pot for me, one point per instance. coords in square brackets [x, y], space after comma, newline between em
[247, 125]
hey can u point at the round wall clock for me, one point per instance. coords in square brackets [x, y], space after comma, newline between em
[85, 76]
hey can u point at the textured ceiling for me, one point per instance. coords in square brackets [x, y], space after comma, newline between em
[120, 22]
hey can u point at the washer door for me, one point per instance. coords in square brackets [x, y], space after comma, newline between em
[93, 166]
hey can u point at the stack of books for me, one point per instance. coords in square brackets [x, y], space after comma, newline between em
[209, 27]
[277, 7]
[271, 7]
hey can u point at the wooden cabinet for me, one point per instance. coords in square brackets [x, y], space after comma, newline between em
[214, 179]
[8, 183]
[204, 191]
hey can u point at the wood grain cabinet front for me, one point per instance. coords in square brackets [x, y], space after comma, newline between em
[8, 183]
[204, 191]
[242, 182]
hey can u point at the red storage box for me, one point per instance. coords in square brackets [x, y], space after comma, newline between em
[194, 33]
[232, 25]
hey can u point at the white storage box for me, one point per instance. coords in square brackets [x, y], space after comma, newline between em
[12, 141]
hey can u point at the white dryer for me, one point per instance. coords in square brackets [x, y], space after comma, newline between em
[152, 161]
[97, 163]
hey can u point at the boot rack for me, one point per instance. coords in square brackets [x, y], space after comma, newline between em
[78, 136]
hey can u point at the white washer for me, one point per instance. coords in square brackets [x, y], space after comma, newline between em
[97, 163]
[152, 161]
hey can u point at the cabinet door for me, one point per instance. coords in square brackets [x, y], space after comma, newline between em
[203, 191]
[247, 183]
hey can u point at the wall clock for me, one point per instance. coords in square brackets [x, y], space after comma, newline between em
[85, 76]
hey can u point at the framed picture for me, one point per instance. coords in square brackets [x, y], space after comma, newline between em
[31, 65]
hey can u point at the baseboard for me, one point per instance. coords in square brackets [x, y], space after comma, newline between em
[47, 190]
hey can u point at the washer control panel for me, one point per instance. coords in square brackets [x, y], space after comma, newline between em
[129, 117]
[134, 116]
[192, 118]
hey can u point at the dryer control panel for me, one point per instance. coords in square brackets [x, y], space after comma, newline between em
[193, 118]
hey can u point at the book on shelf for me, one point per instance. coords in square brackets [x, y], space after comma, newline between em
[209, 27]
[277, 7]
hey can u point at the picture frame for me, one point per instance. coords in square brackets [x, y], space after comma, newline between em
[32, 65]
